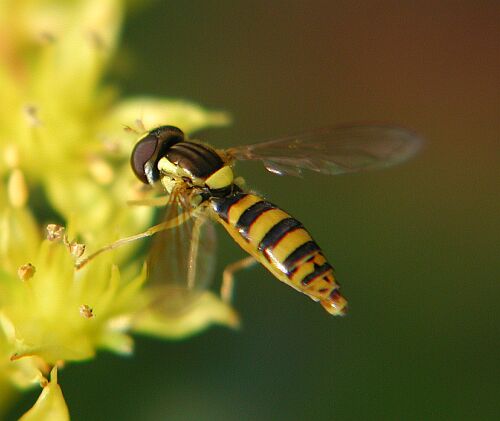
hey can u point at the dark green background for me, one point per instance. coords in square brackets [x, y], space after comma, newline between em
[415, 247]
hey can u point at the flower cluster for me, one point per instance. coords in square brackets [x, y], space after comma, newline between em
[64, 165]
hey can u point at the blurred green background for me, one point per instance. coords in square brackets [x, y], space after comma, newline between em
[415, 247]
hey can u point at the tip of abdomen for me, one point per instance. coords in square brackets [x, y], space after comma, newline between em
[335, 304]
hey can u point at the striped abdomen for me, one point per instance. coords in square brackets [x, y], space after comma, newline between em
[282, 245]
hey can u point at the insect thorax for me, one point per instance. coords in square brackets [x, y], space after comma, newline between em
[195, 164]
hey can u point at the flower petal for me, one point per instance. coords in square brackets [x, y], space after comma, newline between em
[20, 238]
[153, 112]
[77, 56]
[50, 405]
[202, 311]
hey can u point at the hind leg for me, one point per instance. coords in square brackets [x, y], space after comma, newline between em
[227, 287]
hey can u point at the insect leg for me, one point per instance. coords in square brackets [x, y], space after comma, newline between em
[171, 223]
[193, 251]
[227, 287]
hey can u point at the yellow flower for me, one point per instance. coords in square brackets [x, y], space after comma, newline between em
[64, 157]
[50, 405]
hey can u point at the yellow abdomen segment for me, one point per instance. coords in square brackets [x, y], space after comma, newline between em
[280, 243]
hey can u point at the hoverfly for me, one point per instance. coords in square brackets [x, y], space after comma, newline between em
[201, 187]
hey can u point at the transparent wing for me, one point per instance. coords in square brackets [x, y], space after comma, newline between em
[181, 259]
[333, 150]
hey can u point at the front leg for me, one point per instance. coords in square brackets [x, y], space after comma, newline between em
[168, 224]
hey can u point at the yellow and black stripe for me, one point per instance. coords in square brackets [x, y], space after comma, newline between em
[281, 244]
[198, 159]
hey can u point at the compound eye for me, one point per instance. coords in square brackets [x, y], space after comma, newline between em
[142, 153]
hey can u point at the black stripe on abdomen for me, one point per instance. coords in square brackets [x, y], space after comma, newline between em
[224, 204]
[277, 232]
[250, 215]
[318, 271]
[298, 254]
